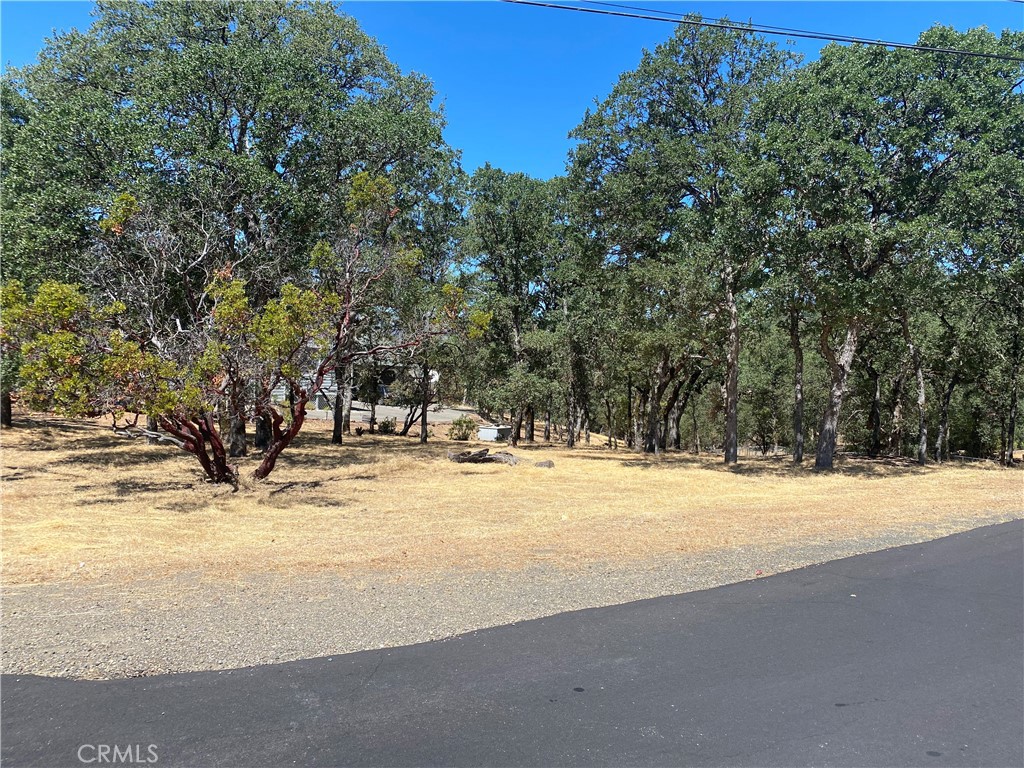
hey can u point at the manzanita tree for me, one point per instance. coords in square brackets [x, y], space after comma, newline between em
[197, 135]
[80, 357]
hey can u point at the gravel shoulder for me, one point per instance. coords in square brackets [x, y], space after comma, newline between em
[186, 623]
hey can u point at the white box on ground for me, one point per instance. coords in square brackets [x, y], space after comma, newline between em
[493, 434]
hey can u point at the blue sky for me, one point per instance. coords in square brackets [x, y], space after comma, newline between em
[515, 80]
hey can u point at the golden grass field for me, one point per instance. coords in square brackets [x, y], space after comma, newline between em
[80, 504]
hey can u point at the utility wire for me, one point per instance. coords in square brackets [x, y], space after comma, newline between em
[791, 32]
[760, 28]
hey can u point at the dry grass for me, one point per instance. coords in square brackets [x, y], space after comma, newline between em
[80, 504]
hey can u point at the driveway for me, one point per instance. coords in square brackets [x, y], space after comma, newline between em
[435, 415]
[907, 657]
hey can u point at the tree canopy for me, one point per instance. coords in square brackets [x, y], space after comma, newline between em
[207, 204]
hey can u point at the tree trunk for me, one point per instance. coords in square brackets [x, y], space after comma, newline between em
[199, 437]
[517, 426]
[875, 417]
[410, 418]
[630, 434]
[612, 440]
[653, 413]
[236, 437]
[942, 441]
[264, 432]
[732, 377]
[1002, 441]
[347, 383]
[639, 409]
[692, 391]
[6, 410]
[839, 366]
[547, 424]
[425, 405]
[922, 422]
[672, 431]
[798, 384]
[218, 456]
[896, 417]
[530, 419]
[668, 412]
[373, 417]
[652, 429]
[696, 431]
[152, 425]
[281, 438]
[652, 432]
[571, 421]
[1011, 416]
[674, 409]
[223, 420]
[338, 432]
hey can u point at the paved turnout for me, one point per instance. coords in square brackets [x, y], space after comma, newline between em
[909, 657]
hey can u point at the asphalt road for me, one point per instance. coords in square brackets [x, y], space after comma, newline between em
[908, 657]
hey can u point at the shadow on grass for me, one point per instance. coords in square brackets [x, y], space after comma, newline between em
[763, 466]
[845, 466]
[314, 451]
[33, 425]
[101, 452]
[124, 487]
[90, 444]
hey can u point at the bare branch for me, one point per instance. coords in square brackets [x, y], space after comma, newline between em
[137, 432]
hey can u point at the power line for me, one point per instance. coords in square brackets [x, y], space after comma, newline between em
[791, 32]
[759, 28]
[763, 28]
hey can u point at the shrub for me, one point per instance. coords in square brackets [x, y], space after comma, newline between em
[462, 428]
[387, 426]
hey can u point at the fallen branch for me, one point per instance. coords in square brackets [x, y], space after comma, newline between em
[136, 432]
[297, 484]
[483, 456]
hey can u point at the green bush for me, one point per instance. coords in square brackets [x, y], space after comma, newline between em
[462, 428]
[387, 426]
